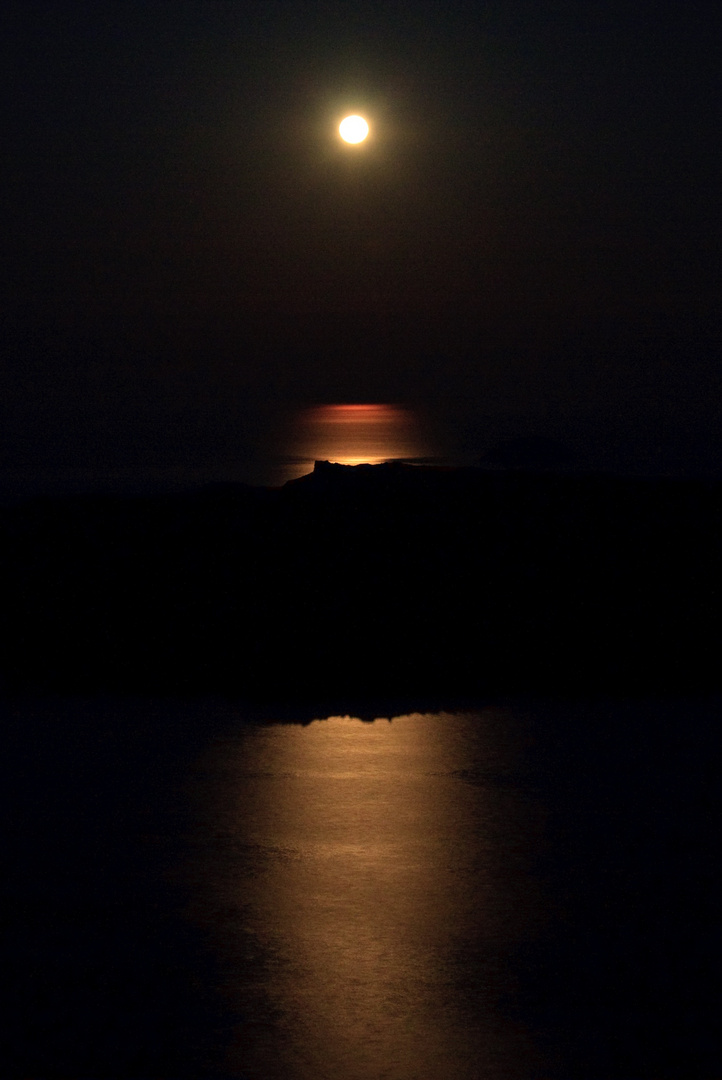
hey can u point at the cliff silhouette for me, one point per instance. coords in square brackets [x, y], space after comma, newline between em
[367, 581]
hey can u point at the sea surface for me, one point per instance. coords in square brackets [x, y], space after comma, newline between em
[506, 890]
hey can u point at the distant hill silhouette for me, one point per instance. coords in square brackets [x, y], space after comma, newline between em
[377, 580]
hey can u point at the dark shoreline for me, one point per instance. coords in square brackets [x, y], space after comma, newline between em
[370, 582]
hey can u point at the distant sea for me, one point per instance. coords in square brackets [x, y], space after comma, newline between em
[524, 890]
[268, 444]
[268, 448]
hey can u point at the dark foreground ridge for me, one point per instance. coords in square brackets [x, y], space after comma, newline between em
[369, 580]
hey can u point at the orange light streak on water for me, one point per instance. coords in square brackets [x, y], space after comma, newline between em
[363, 882]
[355, 434]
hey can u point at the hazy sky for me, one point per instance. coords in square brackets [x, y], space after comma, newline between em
[529, 239]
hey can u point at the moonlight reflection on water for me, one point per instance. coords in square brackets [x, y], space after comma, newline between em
[448, 896]
[354, 435]
[362, 871]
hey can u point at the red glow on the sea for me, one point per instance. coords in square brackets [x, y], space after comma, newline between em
[355, 434]
[358, 414]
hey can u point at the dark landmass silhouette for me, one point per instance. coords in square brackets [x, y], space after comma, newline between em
[369, 582]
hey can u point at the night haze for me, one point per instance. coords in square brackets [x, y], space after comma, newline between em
[360, 533]
[528, 241]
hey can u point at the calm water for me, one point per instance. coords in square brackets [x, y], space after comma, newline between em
[354, 434]
[261, 445]
[371, 877]
[526, 891]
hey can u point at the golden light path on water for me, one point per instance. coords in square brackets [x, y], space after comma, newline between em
[354, 434]
[360, 872]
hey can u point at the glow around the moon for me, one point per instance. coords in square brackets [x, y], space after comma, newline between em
[353, 129]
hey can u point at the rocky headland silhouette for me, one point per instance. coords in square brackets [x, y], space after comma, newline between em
[365, 581]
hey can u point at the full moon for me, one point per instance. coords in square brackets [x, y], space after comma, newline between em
[353, 129]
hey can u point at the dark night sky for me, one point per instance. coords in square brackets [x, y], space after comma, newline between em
[529, 243]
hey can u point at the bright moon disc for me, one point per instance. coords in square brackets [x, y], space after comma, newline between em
[353, 129]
